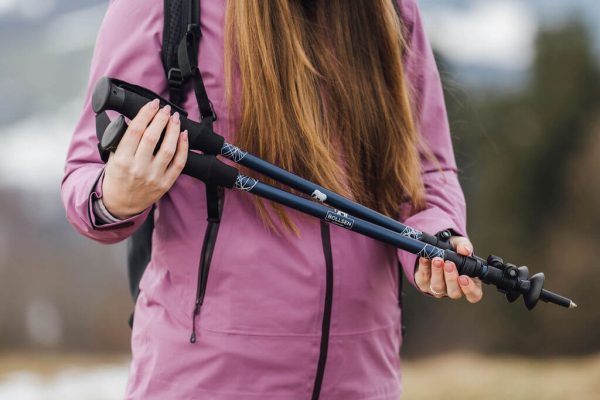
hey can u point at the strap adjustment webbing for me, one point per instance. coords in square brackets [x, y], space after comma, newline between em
[187, 56]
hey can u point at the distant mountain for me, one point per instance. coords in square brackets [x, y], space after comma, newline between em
[549, 12]
[44, 63]
[18, 15]
[489, 45]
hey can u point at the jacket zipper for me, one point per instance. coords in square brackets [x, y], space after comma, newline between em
[208, 246]
[326, 240]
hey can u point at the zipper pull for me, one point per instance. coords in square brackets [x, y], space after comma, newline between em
[195, 313]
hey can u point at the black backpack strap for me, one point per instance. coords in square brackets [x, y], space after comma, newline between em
[139, 245]
[175, 23]
[187, 54]
[214, 208]
[181, 42]
[181, 39]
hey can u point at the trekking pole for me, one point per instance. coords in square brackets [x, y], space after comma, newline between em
[506, 277]
[127, 99]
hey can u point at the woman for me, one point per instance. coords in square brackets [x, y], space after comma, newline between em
[341, 92]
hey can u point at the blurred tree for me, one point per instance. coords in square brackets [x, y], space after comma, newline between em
[529, 164]
[564, 98]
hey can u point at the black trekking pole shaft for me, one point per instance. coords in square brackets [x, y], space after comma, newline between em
[119, 96]
[466, 265]
[326, 196]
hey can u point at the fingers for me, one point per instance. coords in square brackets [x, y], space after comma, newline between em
[462, 245]
[145, 150]
[451, 279]
[440, 278]
[471, 289]
[178, 162]
[168, 146]
[131, 139]
[423, 274]
[438, 284]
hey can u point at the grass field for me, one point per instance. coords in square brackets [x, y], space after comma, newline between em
[466, 377]
[448, 377]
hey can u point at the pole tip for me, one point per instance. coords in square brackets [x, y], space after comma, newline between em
[572, 305]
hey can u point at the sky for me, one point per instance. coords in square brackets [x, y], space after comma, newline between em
[500, 33]
[28, 9]
[497, 34]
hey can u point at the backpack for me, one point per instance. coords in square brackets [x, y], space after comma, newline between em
[179, 56]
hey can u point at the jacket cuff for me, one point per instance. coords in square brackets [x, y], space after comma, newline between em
[101, 219]
[103, 216]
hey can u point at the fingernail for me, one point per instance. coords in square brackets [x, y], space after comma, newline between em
[437, 262]
[185, 135]
[448, 267]
[166, 109]
[469, 249]
[175, 117]
[154, 104]
[463, 280]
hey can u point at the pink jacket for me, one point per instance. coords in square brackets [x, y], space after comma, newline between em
[260, 327]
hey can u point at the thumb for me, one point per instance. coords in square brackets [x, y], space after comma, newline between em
[462, 245]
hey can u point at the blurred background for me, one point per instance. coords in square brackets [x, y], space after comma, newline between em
[522, 83]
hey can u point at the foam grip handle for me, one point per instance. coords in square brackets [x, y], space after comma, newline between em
[466, 265]
[210, 170]
[495, 276]
[202, 137]
[113, 134]
[110, 95]
[206, 168]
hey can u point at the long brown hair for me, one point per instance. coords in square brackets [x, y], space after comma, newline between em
[324, 95]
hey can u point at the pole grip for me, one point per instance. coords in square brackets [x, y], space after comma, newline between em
[466, 265]
[115, 95]
[109, 96]
[210, 170]
[204, 167]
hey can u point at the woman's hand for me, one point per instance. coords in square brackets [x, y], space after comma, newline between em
[440, 278]
[134, 177]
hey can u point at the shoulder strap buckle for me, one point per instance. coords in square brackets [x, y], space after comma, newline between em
[188, 54]
[175, 78]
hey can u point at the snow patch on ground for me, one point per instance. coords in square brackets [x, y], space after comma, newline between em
[100, 383]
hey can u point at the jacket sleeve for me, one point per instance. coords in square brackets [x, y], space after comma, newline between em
[445, 202]
[127, 47]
